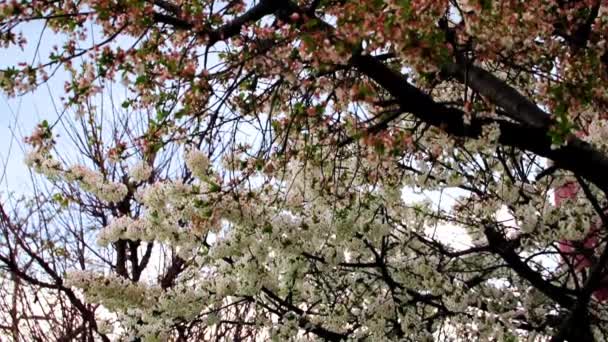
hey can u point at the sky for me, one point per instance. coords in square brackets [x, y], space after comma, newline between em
[19, 115]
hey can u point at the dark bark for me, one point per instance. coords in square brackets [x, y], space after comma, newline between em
[515, 105]
[577, 156]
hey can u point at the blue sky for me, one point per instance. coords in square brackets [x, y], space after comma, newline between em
[19, 115]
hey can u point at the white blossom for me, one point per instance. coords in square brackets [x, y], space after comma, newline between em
[198, 163]
[140, 172]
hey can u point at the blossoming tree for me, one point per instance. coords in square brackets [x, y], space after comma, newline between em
[253, 180]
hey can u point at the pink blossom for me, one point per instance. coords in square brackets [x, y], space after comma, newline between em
[572, 249]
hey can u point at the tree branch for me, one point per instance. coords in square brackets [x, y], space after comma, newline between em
[230, 29]
[516, 106]
[502, 247]
[577, 156]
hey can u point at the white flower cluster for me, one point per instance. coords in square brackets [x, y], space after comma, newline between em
[174, 212]
[598, 133]
[122, 227]
[141, 172]
[95, 183]
[198, 163]
[144, 310]
[265, 242]
[154, 322]
[104, 326]
[43, 164]
[576, 221]
[114, 292]
[528, 218]
[487, 141]
[88, 179]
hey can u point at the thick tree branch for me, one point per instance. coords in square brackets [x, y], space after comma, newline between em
[230, 29]
[177, 266]
[577, 156]
[304, 323]
[502, 247]
[516, 106]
